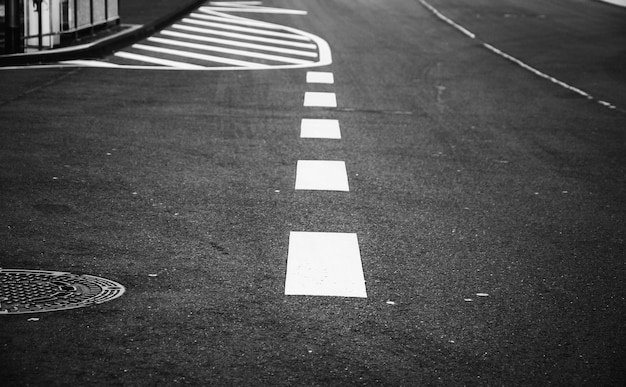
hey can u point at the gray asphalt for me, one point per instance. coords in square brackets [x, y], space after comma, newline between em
[468, 174]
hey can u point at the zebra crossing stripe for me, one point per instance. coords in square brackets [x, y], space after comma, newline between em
[249, 30]
[240, 7]
[226, 18]
[158, 61]
[224, 50]
[209, 58]
[312, 54]
[212, 39]
[236, 35]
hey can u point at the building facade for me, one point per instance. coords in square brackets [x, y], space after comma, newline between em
[30, 25]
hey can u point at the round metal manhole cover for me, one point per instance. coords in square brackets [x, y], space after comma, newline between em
[32, 291]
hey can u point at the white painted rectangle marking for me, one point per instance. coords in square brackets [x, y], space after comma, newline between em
[321, 175]
[317, 99]
[324, 264]
[320, 77]
[320, 128]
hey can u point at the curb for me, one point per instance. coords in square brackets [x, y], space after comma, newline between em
[102, 47]
[619, 3]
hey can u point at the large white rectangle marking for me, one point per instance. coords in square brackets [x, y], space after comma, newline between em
[318, 99]
[320, 128]
[324, 264]
[320, 77]
[321, 175]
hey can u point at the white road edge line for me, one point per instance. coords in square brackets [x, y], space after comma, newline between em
[515, 60]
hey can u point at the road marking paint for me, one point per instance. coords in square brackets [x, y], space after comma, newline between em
[229, 3]
[236, 35]
[318, 99]
[226, 18]
[159, 61]
[320, 128]
[193, 55]
[228, 26]
[320, 77]
[235, 7]
[92, 63]
[232, 51]
[256, 31]
[535, 71]
[282, 50]
[324, 264]
[447, 20]
[515, 60]
[321, 175]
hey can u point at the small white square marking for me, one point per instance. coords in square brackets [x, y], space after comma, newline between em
[320, 99]
[320, 128]
[320, 77]
[324, 264]
[321, 175]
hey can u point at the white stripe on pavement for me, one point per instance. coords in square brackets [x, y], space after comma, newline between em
[159, 61]
[232, 51]
[227, 18]
[245, 29]
[320, 77]
[235, 35]
[318, 99]
[311, 54]
[324, 264]
[321, 175]
[243, 8]
[320, 128]
[209, 58]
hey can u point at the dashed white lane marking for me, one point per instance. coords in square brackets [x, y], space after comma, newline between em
[320, 128]
[320, 77]
[513, 59]
[324, 264]
[321, 175]
[320, 99]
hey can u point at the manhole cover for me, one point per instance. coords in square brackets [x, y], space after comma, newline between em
[31, 291]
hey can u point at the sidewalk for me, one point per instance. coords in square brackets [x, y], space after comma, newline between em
[139, 18]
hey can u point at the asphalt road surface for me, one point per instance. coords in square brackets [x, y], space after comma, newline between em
[485, 154]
